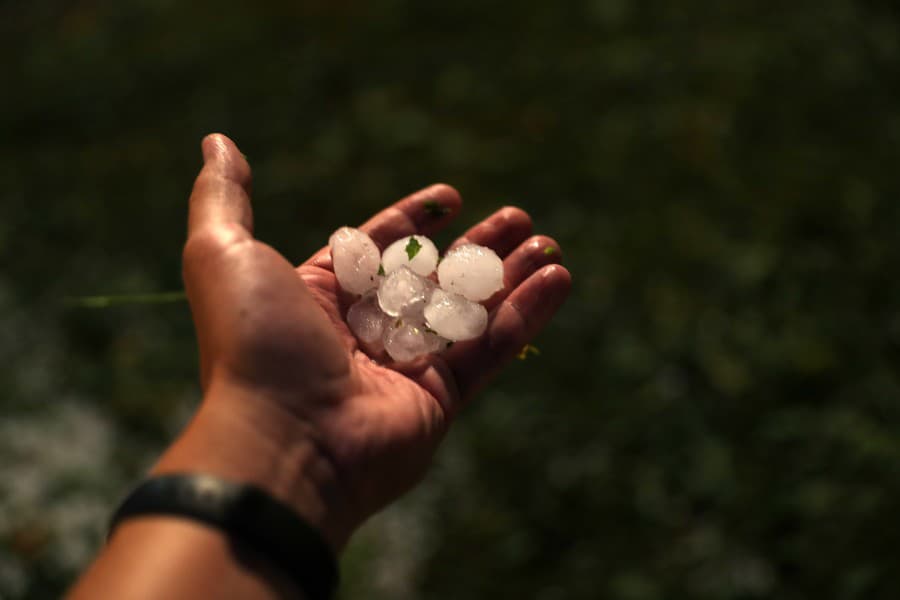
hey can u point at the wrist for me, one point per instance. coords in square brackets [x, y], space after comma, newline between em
[239, 436]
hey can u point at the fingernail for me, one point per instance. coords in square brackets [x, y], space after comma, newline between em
[213, 147]
[207, 150]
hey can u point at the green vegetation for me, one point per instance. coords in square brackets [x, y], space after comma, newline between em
[434, 209]
[714, 415]
[412, 247]
[528, 350]
[116, 299]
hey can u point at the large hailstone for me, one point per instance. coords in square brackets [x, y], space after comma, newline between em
[406, 341]
[366, 320]
[454, 317]
[355, 258]
[423, 262]
[473, 271]
[403, 293]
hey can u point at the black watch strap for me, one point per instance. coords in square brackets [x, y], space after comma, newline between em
[248, 514]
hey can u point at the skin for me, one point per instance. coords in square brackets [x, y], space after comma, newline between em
[292, 403]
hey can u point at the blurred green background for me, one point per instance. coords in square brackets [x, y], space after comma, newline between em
[715, 413]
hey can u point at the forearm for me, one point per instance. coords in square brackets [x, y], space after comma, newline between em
[170, 557]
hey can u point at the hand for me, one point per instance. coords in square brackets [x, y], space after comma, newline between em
[291, 401]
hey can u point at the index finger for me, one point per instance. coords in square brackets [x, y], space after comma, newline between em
[424, 212]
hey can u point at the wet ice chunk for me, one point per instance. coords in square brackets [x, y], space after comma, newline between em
[454, 317]
[355, 258]
[406, 341]
[403, 293]
[474, 271]
[366, 319]
[423, 262]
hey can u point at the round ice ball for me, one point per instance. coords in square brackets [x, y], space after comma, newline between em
[474, 271]
[454, 317]
[424, 260]
[355, 258]
[406, 341]
[403, 293]
[366, 319]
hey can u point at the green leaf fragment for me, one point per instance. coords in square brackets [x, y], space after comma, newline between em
[381, 269]
[434, 209]
[549, 250]
[413, 247]
[528, 350]
[107, 301]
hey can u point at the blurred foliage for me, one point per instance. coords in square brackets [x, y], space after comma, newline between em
[716, 412]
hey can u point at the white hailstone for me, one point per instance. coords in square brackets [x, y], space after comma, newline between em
[474, 271]
[356, 259]
[366, 319]
[454, 317]
[407, 341]
[403, 293]
[424, 255]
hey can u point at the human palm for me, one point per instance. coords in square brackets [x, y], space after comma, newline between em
[279, 331]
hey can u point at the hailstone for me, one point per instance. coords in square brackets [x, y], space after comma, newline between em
[403, 293]
[356, 260]
[406, 341]
[416, 252]
[366, 319]
[473, 271]
[454, 317]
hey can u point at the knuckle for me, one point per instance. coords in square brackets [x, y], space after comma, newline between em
[213, 241]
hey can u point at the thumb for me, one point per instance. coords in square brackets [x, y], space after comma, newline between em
[219, 216]
[221, 194]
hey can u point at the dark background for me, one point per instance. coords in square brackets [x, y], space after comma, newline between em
[714, 414]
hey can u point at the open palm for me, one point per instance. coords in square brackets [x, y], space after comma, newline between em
[279, 330]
